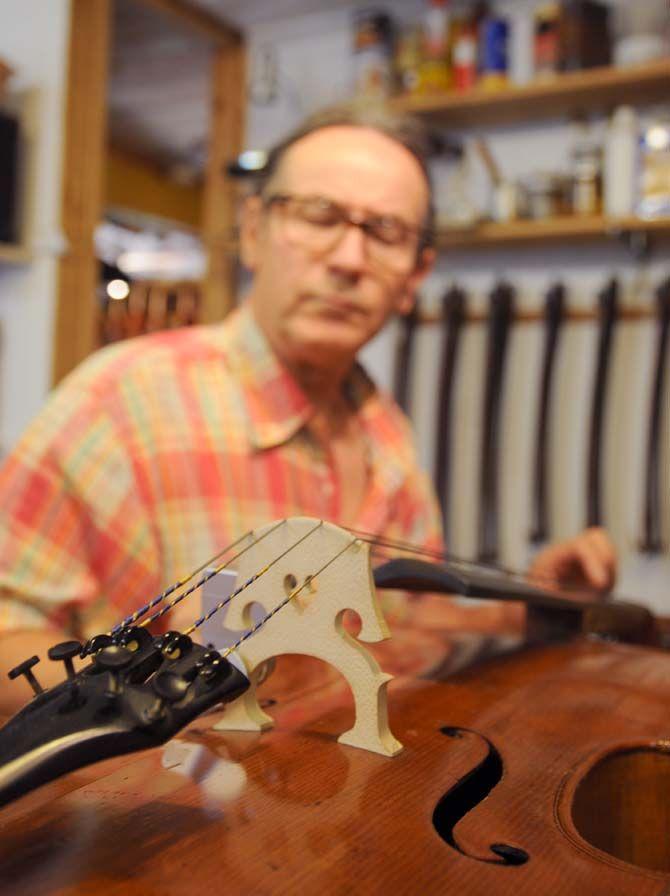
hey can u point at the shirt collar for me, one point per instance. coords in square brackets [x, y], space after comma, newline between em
[277, 407]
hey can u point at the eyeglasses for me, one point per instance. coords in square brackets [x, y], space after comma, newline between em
[318, 224]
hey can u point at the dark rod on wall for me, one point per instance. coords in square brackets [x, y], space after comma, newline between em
[651, 541]
[500, 319]
[403, 359]
[607, 302]
[453, 315]
[554, 309]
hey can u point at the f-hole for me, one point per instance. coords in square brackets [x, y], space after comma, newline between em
[468, 793]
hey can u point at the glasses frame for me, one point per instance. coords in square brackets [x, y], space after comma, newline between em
[364, 221]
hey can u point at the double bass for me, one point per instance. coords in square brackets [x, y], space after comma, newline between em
[543, 769]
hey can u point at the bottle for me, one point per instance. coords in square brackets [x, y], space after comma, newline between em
[408, 60]
[493, 53]
[586, 178]
[464, 55]
[372, 61]
[621, 158]
[436, 65]
[547, 43]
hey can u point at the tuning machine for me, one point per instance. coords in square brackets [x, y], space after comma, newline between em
[113, 659]
[174, 645]
[26, 668]
[65, 652]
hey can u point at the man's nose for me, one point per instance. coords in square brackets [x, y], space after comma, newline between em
[349, 252]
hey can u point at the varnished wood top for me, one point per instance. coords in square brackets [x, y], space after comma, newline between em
[292, 811]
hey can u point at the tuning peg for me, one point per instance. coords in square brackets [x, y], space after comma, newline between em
[113, 659]
[132, 636]
[170, 687]
[212, 672]
[96, 643]
[25, 668]
[66, 651]
[174, 645]
[207, 658]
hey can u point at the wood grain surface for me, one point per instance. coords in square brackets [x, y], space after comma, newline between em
[293, 811]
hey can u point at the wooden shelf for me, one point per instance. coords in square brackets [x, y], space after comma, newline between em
[10, 254]
[549, 230]
[569, 93]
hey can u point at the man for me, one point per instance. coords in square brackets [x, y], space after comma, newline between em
[158, 452]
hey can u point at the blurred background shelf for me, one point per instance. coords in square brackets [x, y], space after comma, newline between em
[569, 93]
[549, 230]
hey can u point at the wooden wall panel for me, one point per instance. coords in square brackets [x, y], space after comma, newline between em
[83, 169]
[220, 200]
[132, 183]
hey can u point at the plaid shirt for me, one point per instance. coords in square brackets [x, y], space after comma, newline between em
[157, 452]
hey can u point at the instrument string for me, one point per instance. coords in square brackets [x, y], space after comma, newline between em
[381, 546]
[132, 619]
[209, 575]
[538, 580]
[294, 593]
[250, 580]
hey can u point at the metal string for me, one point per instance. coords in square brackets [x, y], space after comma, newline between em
[359, 536]
[208, 576]
[288, 599]
[130, 620]
[249, 581]
[516, 575]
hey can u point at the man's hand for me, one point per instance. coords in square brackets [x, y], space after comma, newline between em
[586, 561]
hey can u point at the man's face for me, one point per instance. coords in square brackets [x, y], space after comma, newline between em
[320, 298]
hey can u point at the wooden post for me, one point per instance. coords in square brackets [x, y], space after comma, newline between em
[82, 198]
[220, 197]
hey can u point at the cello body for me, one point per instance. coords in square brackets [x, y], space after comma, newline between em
[557, 757]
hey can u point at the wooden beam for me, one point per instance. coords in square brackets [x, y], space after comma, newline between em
[197, 20]
[83, 165]
[226, 131]
[133, 183]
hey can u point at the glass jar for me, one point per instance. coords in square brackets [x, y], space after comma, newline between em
[545, 195]
[587, 165]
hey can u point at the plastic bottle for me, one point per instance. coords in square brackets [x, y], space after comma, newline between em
[621, 160]
[436, 65]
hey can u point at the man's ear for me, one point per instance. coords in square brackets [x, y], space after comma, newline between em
[424, 266]
[250, 227]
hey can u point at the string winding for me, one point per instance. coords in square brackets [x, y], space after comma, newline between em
[375, 541]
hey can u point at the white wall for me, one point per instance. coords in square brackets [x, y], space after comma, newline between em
[33, 39]
[314, 63]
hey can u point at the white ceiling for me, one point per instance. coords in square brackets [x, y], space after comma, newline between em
[158, 93]
[245, 13]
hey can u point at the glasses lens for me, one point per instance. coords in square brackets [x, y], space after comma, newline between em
[313, 222]
[318, 223]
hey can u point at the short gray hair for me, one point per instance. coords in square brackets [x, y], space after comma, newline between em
[406, 130]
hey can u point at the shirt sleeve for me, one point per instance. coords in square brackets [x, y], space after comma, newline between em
[74, 530]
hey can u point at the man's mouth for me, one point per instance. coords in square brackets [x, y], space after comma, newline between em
[335, 306]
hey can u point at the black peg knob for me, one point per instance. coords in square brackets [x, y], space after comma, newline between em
[170, 687]
[133, 637]
[207, 658]
[66, 651]
[215, 671]
[113, 659]
[174, 645]
[25, 668]
[96, 643]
